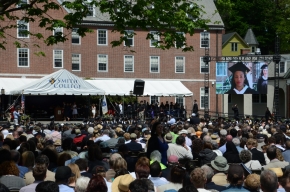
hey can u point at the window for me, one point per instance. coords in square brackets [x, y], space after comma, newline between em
[253, 49]
[57, 58]
[22, 3]
[234, 46]
[221, 69]
[103, 63]
[154, 64]
[255, 98]
[179, 100]
[23, 57]
[58, 31]
[76, 62]
[178, 42]
[204, 39]
[154, 99]
[75, 39]
[128, 63]
[203, 97]
[91, 9]
[203, 67]
[282, 67]
[155, 38]
[130, 38]
[263, 98]
[179, 64]
[102, 37]
[22, 30]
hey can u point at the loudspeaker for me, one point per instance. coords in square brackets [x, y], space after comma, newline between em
[138, 87]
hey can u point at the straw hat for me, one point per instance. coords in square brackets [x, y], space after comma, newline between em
[121, 183]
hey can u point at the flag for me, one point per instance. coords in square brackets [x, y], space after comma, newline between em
[104, 105]
[22, 101]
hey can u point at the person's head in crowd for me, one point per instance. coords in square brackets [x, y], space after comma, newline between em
[155, 156]
[15, 156]
[82, 184]
[127, 136]
[252, 182]
[285, 180]
[198, 178]
[155, 169]
[207, 145]
[75, 171]
[121, 172]
[138, 185]
[28, 159]
[99, 170]
[272, 152]
[269, 181]
[229, 138]
[251, 143]
[22, 138]
[279, 155]
[142, 171]
[177, 174]
[197, 145]
[150, 185]
[271, 140]
[279, 139]
[243, 142]
[5, 155]
[119, 163]
[51, 153]
[82, 164]
[287, 144]
[112, 159]
[121, 183]
[245, 156]
[233, 133]
[235, 175]
[223, 132]
[188, 188]
[39, 172]
[63, 158]
[95, 153]
[133, 137]
[3, 188]
[8, 168]
[208, 172]
[143, 161]
[62, 175]
[220, 164]
[172, 160]
[47, 186]
[236, 141]
[215, 145]
[157, 129]
[207, 138]
[67, 144]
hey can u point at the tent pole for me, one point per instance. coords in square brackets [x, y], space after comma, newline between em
[100, 106]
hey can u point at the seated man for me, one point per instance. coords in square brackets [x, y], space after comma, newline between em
[133, 145]
[39, 174]
[155, 172]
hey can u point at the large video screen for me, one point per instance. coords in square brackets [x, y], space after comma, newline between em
[241, 78]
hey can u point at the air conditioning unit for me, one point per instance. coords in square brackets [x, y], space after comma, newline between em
[258, 51]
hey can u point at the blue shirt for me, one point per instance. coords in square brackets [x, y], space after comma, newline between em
[65, 188]
[22, 170]
[235, 189]
[157, 181]
[223, 148]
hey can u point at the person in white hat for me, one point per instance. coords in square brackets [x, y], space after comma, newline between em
[188, 141]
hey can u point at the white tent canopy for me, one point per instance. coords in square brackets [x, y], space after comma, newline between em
[61, 82]
[152, 87]
[9, 84]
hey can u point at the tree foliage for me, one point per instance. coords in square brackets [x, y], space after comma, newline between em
[167, 17]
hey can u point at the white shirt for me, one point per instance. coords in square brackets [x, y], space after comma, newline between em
[179, 151]
[188, 141]
[241, 91]
[121, 108]
[102, 138]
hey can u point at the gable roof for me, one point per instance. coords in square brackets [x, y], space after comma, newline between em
[250, 38]
[227, 37]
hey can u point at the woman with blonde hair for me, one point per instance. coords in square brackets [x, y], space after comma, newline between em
[27, 159]
[76, 171]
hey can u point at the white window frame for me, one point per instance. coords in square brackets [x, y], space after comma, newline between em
[154, 97]
[58, 29]
[183, 101]
[130, 31]
[182, 42]
[202, 93]
[22, 2]
[202, 39]
[282, 63]
[18, 31]
[176, 64]
[153, 41]
[79, 61]
[107, 63]
[150, 58]
[75, 35]
[126, 56]
[28, 60]
[234, 46]
[202, 64]
[225, 66]
[102, 37]
[54, 57]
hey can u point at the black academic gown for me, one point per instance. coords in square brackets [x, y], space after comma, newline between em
[262, 85]
[248, 91]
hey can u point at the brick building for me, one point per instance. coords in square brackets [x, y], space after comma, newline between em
[93, 56]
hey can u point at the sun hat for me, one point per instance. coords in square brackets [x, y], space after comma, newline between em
[121, 183]
[91, 130]
[220, 163]
[168, 138]
[183, 131]
[133, 136]
[191, 131]
[278, 171]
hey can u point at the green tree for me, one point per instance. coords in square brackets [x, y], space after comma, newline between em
[167, 17]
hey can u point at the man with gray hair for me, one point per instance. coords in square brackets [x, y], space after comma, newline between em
[82, 184]
[237, 143]
[112, 142]
[269, 181]
[207, 139]
[111, 173]
[209, 174]
[104, 137]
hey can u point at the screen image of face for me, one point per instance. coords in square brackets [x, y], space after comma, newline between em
[241, 78]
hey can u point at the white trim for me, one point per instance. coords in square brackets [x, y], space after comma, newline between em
[28, 60]
[202, 63]
[27, 26]
[130, 31]
[107, 63]
[106, 36]
[200, 95]
[150, 64]
[158, 38]
[54, 58]
[61, 29]
[80, 61]
[234, 43]
[132, 64]
[78, 36]
[183, 64]
[201, 39]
